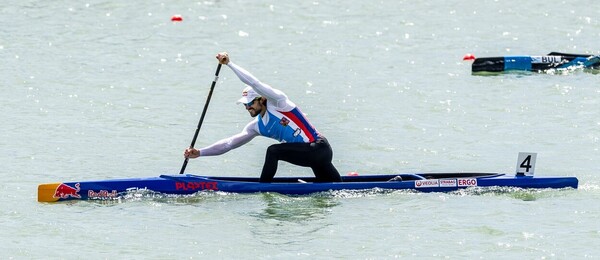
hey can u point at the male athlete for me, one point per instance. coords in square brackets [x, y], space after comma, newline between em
[277, 117]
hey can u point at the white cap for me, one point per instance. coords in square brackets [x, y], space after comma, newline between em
[248, 95]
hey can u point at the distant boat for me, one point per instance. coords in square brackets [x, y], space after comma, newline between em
[554, 60]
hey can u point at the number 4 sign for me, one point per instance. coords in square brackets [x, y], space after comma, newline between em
[526, 164]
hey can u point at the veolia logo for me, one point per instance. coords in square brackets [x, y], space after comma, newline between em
[427, 183]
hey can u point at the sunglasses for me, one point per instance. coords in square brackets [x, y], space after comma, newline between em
[250, 103]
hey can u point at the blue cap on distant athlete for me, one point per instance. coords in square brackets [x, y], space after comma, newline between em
[248, 95]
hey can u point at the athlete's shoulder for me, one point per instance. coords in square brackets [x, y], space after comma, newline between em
[284, 105]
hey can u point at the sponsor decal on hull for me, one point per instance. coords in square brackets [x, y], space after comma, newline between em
[427, 183]
[463, 182]
[102, 194]
[467, 182]
[64, 191]
[196, 185]
[448, 183]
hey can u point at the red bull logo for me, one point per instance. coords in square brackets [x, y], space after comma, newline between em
[64, 191]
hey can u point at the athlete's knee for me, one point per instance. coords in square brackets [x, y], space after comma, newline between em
[274, 151]
[272, 148]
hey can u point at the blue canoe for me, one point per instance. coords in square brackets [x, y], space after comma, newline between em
[190, 184]
[554, 60]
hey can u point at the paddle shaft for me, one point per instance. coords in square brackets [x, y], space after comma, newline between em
[212, 87]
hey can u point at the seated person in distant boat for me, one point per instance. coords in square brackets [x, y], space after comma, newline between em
[277, 117]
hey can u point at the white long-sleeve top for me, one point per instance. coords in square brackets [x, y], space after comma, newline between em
[283, 120]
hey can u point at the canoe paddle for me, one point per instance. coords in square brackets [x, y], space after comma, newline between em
[212, 87]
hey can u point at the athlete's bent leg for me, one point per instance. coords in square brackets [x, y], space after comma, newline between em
[318, 156]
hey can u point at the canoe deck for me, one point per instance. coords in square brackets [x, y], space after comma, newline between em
[365, 178]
